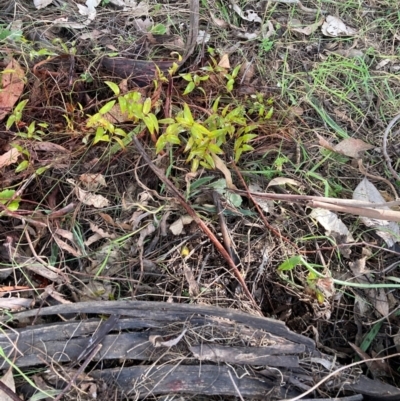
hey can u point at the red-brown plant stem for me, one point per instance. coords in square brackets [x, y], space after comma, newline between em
[197, 219]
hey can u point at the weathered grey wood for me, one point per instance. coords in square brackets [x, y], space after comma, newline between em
[134, 346]
[208, 380]
[376, 390]
[357, 397]
[166, 312]
[270, 356]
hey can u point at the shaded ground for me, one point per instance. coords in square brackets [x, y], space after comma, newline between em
[92, 220]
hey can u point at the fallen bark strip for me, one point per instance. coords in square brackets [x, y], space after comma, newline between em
[172, 313]
[247, 355]
[144, 381]
[64, 341]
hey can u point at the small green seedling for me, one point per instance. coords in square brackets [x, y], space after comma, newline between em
[194, 82]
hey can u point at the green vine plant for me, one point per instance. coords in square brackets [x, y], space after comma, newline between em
[203, 139]
[29, 132]
[130, 105]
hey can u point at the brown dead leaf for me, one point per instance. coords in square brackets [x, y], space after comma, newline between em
[224, 62]
[109, 220]
[12, 87]
[220, 165]
[92, 181]
[283, 181]
[324, 143]
[49, 147]
[9, 157]
[90, 199]
[218, 21]
[8, 380]
[379, 299]
[377, 296]
[123, 86]
[115, 115]
[352, 147]
[177, 226]
[307, 30]
[99, 233]
[63, 245]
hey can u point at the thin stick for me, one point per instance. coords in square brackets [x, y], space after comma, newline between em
[79, 371]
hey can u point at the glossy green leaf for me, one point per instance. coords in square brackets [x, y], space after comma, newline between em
[120, 132]
[113, 86]
[248, 137]
[101, 136]
[195, 165]
[187, 77]
[149, 124]
[159, 29]
[20, 106]
[199, 129]
[173, 139]
[235, 72]
[246, 148]
[215, 149]
[210, 161]
[122, 104]
[189, 144]
[205, 165]
[155, 121]
[269, 114]
[290, 264]
[166, 121]
[147, 106]
[10, 121]
[5, 197]
[107, 107]
[174, 129]
[161, 143]
[218, 133]
[229, 85]
[216, 104]
[189, 88]
[238, 153]
[22, 166]
[41, 170]
[187, 114]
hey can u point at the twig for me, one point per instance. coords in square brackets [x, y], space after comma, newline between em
[372, 210]
[79, 371]
[384, 147]
[197, 219]
[335, 372]
[235, 386]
